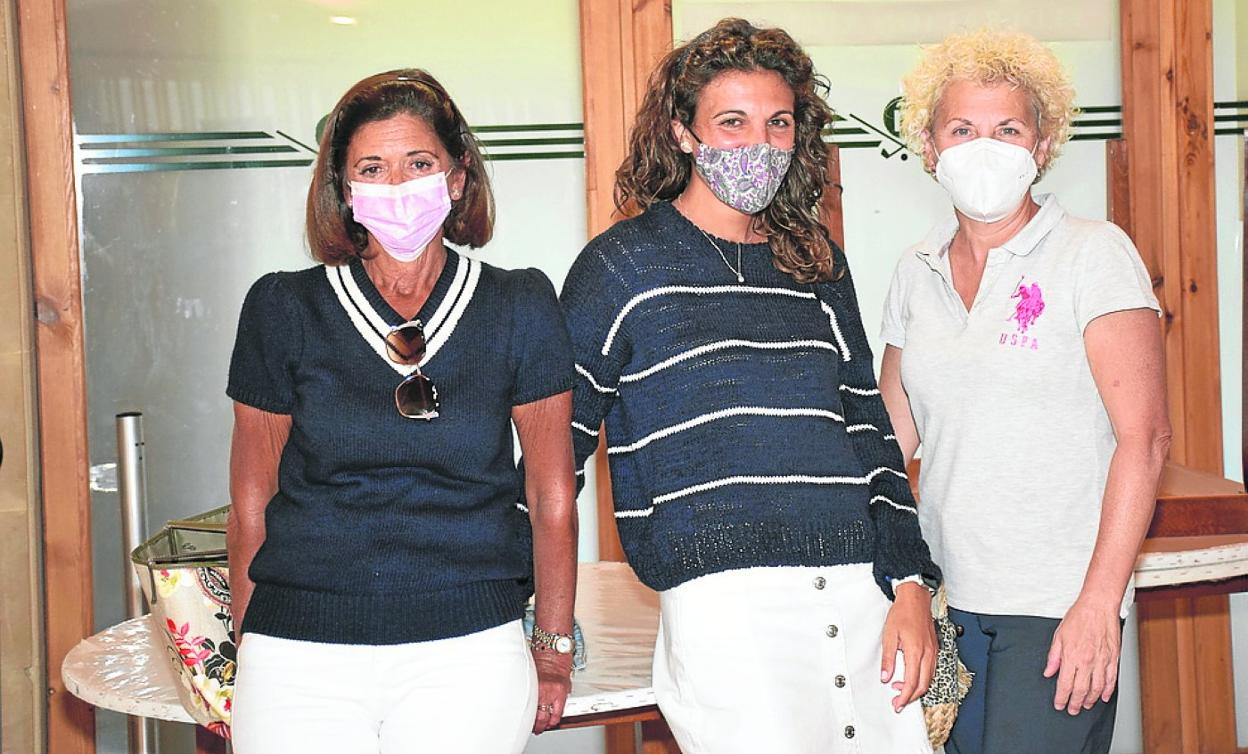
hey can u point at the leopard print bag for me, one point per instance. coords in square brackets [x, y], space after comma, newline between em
[951, 680]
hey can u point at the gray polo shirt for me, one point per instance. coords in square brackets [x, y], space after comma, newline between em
[1016, 440]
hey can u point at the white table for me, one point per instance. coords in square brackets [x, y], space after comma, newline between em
[124, 669]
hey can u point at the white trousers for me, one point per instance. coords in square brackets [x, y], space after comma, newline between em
[780, 660]
[474, 694]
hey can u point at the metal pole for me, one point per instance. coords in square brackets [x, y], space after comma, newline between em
[132, 492]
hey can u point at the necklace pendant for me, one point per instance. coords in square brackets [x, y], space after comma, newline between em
[740, 278]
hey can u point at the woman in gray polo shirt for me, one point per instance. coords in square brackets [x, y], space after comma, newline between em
[1024, 354]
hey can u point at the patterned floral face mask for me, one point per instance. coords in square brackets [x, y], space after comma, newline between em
[745, 178]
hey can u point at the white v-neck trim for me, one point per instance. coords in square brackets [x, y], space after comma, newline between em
[368, 323]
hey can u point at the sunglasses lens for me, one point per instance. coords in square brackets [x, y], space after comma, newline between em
[406, 343]
[416, 397]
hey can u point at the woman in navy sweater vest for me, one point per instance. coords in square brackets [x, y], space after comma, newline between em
[757, 482]
[379, 561]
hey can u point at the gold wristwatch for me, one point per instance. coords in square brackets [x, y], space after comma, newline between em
[545, 641]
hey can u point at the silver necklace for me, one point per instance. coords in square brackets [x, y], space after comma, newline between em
[735, 270]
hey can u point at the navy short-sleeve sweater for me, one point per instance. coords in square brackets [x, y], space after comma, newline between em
[384, 529]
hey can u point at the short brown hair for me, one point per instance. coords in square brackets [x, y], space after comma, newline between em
[657, 170]
[333, 234]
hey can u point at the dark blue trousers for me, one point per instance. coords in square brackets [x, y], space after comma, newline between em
[1010, 707]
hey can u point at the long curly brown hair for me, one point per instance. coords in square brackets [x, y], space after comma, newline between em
[657, 170]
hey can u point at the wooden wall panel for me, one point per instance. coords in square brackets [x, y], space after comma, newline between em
[44, 59]
[1118, 199]
[1167, 112]
[621, 41]
[831, 206]
[22, 697]
[1167, 205]
[1198, 242]
[603, 97]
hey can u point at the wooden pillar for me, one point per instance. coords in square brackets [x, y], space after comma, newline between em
[1164, 197]
[621, 41]
[44, 54]
[1167, 115]
[832, 206]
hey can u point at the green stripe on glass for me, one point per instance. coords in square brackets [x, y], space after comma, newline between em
[104, 156]
[530, 127]
[533, 156]
[85, 139]
[528, 142]
[858, 144]
[157, 167]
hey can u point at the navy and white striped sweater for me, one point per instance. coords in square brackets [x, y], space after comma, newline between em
[744, 425]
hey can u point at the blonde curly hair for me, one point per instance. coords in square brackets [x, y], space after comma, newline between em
[990, 56]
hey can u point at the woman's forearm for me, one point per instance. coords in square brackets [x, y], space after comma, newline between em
[244, 541]
[898, 404]
[255, 453]
[544, 428]
[1127, 361]
[1126, 511]
[554, 563]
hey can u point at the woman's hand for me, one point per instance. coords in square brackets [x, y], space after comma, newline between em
[1084, 655]
[909, 628]
[554, 681]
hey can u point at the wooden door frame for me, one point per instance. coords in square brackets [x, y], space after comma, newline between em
[60, 360]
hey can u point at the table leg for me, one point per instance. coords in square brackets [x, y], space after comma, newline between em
[621, 738]
[1187, 680]
[656, 738]
[207, 742]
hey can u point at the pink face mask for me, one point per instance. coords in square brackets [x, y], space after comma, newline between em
[403, 218]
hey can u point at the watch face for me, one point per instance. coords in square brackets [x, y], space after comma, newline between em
[563, 645]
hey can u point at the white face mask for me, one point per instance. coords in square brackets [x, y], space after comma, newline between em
[986, 178]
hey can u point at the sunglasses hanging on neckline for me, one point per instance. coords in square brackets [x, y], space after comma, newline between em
[416, 397]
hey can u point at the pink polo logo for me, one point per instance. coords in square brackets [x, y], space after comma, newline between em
[1028, 309]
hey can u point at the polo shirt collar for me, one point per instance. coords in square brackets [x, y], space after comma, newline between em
[1027, 239]
[932, 249]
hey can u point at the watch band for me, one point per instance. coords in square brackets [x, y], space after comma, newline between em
[546, 641]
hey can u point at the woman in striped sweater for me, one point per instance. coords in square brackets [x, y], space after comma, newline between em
[757, 482]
